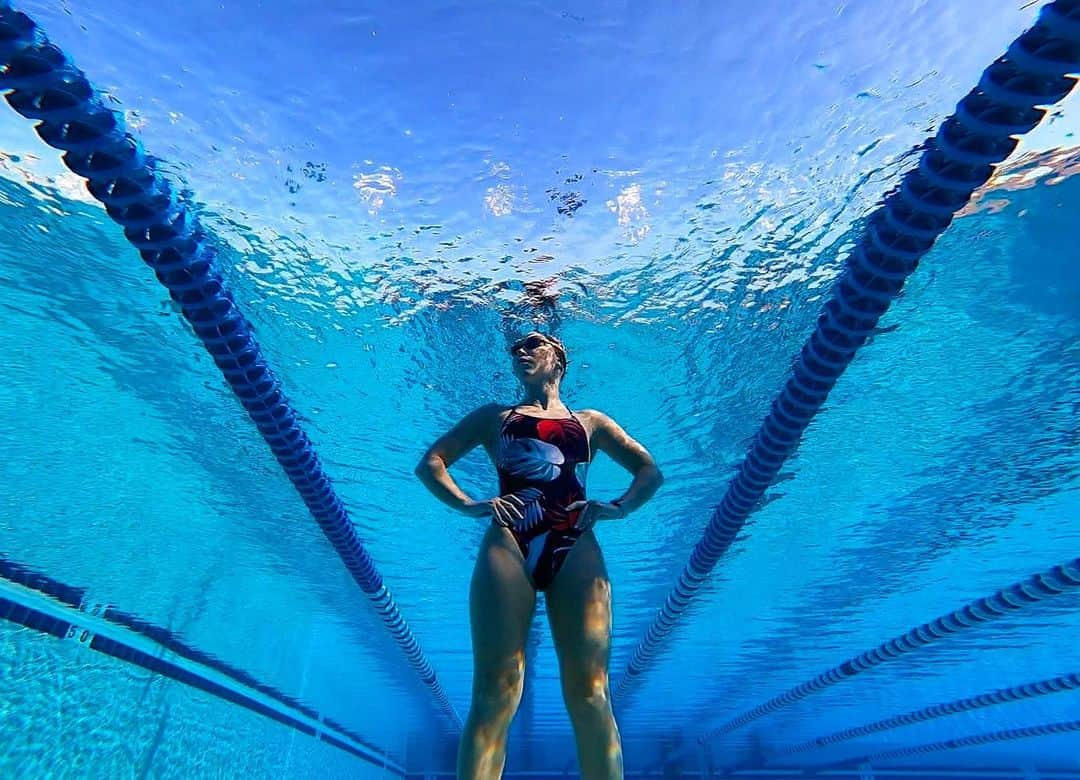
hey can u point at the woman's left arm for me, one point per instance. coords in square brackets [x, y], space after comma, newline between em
[609, 437]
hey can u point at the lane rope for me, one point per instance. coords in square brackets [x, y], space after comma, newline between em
[73, 116]
[1011, 98]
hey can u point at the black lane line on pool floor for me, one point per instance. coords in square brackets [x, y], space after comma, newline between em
[42, 603]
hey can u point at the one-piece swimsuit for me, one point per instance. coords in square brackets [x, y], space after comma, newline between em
[544, 463]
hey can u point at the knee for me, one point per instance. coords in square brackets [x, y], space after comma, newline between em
[497, 689]
[586, 693]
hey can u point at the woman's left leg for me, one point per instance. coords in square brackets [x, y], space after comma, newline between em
[579, 610]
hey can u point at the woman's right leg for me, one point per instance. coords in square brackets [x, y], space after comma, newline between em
[501, 606]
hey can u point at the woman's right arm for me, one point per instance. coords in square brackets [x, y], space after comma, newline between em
[433, 468]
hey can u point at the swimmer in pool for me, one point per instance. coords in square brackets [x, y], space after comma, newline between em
[540, 538]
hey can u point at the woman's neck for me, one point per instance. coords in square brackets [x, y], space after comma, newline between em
[544, 396]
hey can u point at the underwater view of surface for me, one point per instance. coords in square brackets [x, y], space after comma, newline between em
[393, 193]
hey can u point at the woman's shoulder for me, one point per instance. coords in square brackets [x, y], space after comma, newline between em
[591, 414]
[593, 419]
[492, 411]
[482, 424]
[490, 414]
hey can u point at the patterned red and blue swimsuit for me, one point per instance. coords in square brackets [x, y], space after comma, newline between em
[543, 462]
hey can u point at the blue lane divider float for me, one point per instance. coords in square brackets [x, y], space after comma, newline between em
[72, 116]
[77, 598]
[1025, 732]
[1061, 684]
[956, 162]
[33, 600]
[1007, 601]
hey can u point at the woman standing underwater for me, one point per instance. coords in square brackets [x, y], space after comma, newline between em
[540, 538]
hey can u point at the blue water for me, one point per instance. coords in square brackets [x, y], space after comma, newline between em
[382, 183]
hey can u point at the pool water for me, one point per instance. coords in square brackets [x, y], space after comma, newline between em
[385, 187]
